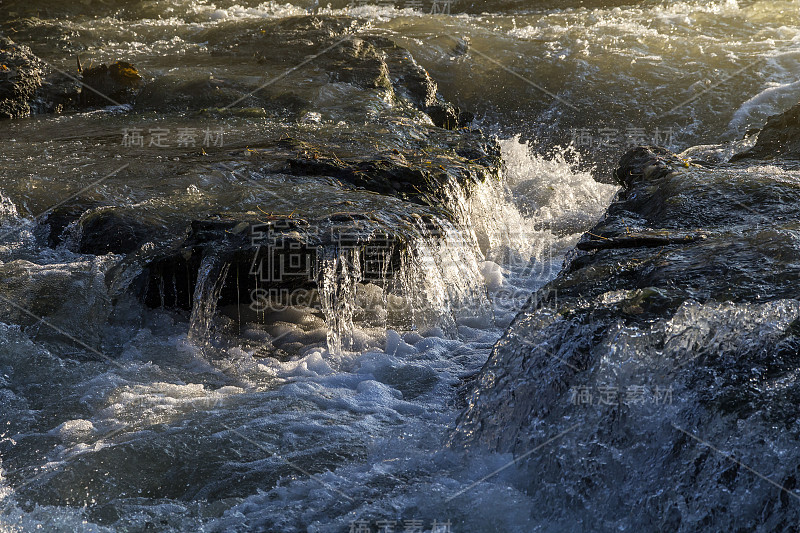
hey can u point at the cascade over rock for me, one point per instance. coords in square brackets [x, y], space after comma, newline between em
[408, 155]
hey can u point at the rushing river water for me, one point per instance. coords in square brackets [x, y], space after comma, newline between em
[187, 422]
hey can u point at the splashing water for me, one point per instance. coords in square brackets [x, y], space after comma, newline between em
[510, 239]
[384, 379]
[210, 279]
[340, 275]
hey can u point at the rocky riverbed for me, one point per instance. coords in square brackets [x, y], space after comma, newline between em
[356, 267]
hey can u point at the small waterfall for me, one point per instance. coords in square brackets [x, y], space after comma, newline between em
[436, 285]
[477, 272]
[210, 280]
[430, 275]
[442, 272]
[528, 221]
[338, 279]
[9, 220]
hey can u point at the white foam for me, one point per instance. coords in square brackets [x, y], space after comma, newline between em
[526, 223]
[396, 346]
[775, 99]
[74, 430]
[492, 275]
[265, 10]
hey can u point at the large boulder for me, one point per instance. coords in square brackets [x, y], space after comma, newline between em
[656, 373]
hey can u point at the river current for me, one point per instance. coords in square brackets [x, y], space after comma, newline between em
[187, 422]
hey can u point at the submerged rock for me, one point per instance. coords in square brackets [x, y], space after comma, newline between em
[107, 230]
[423, 178]
[638, 240]
[672, 326]
[274, 257]
[342, 75]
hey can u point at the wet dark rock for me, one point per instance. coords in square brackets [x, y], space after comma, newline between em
[275, 257]
[60, 92]
[685, 284]
[28, 87]
[21, 75]
[413, 83]
[114, 84]
[370, 63]
[448, 116]
[107, 230]
[368, 71]
[644, 163]
[778, 139]
[89, 226]
[635, 240]
[405, 187]
[408, 177]
[59, 219]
